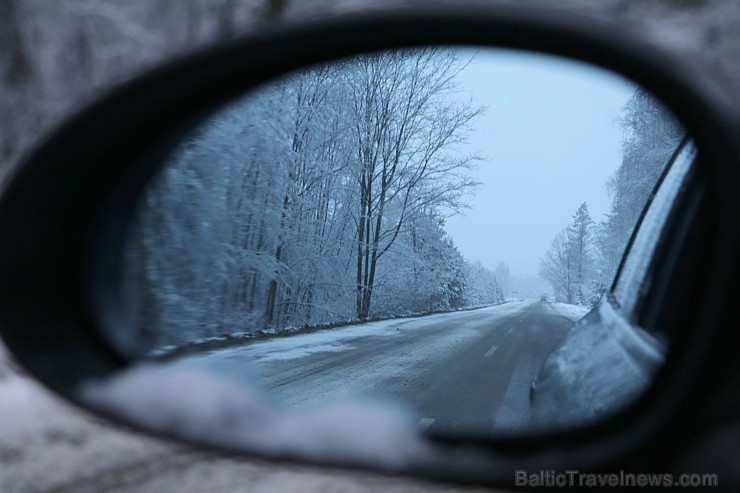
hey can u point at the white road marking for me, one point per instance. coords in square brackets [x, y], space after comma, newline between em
[425, 423]
[491, 351]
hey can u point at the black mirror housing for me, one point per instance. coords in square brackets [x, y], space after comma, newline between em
[66, 209]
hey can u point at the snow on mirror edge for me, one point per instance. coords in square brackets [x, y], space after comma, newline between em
[193, 402]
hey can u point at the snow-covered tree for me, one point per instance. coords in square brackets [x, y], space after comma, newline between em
[556, 267]
[312, 200]
[404, 125]
[651, 136]
[583, 260]
[503, 277]
[483, 287]
[567, 265]
[579, 240]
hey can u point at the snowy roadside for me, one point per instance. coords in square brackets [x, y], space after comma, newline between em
[286, 365]
[237, 339]
[576, 311]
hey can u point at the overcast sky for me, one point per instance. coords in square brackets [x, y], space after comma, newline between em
[550, 140]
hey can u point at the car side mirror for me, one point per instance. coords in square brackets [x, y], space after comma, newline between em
[219, 248]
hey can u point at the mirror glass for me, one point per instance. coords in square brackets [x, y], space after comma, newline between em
[435, 227]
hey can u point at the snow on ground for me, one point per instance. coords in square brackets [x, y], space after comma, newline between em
[575, 311]
[340, 339]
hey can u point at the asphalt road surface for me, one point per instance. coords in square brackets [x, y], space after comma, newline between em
[465, 371]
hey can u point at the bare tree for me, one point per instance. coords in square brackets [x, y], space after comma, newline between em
[567, 265]
[405, 123]
[556, 267]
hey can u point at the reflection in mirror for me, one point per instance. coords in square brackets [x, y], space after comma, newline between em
[421, 226]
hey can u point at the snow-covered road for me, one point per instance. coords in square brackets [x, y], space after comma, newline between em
[462, 371]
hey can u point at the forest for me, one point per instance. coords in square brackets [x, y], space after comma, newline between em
[314, 200]
[584, 257]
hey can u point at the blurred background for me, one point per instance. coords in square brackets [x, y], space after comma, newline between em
[56, 56]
